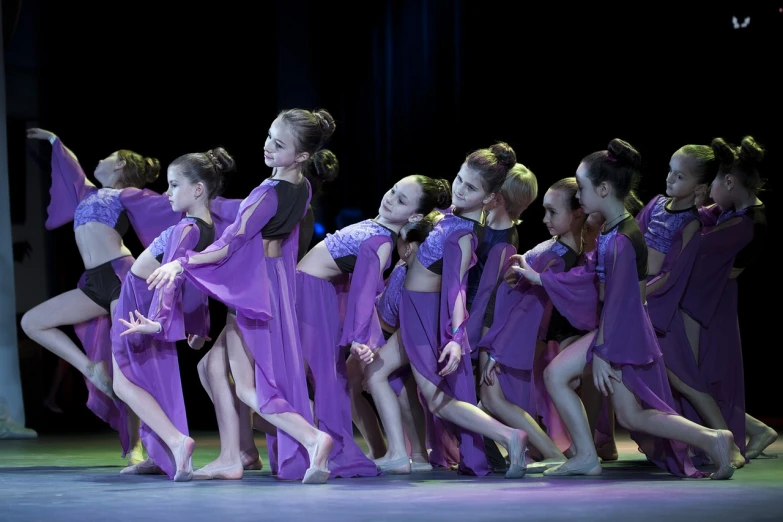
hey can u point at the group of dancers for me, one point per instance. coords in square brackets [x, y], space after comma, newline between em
[476, 357]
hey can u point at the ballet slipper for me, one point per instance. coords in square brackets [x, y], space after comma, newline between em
[185, 451]
[400, 466]
[136, 456]
[543, 465]
[757, 444]
[590, 468]
[250, 463]
[147, 467]
[608, 451]
[98, 375]
[420, 467]
[721, 453]
[323, 448]
[517, 453]
[231, 472]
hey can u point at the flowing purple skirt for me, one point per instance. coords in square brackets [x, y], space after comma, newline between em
[279, 372]
[420, 325]
[319, 331]
[721, 365]
[95, 336]
[153, 366]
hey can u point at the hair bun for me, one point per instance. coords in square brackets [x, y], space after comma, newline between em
[625, 153]
[750, 151]
[224, 160]
[725, 152]
[326, 165]
[505, 154]
[444, 193]
[326, 122]
[151, 169]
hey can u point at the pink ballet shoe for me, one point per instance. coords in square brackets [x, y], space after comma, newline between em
[323, 448]
[400, 466]
[517, 453]
[420, 467]
[250, 463]
[185, 451]
[591, 468]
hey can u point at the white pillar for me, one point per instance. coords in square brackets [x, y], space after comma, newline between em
[11, 404]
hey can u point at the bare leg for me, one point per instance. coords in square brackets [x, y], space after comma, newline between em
[414, 425]
[716, 443]
[73, 307]
[317, 443]
[389, 358]
[141, 402]
[761, 436]
[471, 418]
[496, 404]
[708, 410]
[59, 373]
[594, 402]
[558, 376]
[364, 416]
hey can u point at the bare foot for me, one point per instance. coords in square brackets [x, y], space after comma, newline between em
[98, 374]
[759, 442]
[220, 470]
[720, 454]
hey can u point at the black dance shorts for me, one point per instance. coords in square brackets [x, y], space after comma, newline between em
[102, 285]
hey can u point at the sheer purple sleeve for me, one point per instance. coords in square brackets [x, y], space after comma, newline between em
[149, 213]
[167, 306]
[628, 337]
[224, 212]
[361, 322]
[490, 276]
[69, 186]
[453, 289]
[712, 267]
[575, 293]
[678, 264]
[235, 272]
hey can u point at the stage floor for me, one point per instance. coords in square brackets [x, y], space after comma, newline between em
[76, 478]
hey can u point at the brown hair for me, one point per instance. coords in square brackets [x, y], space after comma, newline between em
[138, 170]
[492, 164]
[519, 190]
[742, 161]
[311, 130]
[206, 167]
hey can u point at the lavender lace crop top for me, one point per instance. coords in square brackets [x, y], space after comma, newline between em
[630, 229]
[206, 237]
[664, 224]
[344, 244]
[388, 302]
[430, 253]
[102, 206]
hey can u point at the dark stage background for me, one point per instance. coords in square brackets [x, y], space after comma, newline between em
[414, 87]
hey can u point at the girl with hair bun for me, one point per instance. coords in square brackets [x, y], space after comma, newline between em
[146, 369]
[355, 256]
[251, 269]
[732, 238]
[627, 364]
[101, 217]
[432, 337]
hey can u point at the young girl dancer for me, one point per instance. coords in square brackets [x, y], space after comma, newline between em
[100, 218]
[387, 304]
[261, 348]
[623, 349]
[519, 319]
[432, 327]
[362, 250]
[733, 237]
[146, 369]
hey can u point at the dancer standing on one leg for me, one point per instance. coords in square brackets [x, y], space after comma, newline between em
[100, 219]
[146, 369]
[432, 336]
[251, 269]
[626, 361]
[733, 236]
[363, 251]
